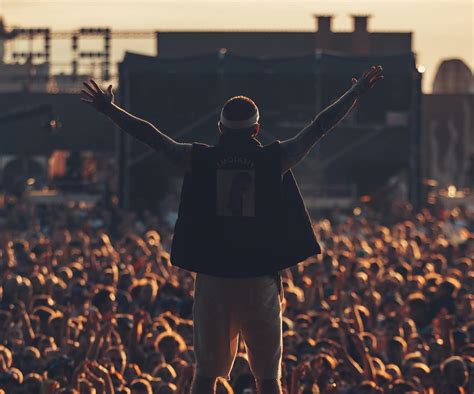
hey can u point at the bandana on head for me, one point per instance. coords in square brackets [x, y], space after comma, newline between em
[240, 124]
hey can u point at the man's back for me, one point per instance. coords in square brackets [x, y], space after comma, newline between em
[236, 206]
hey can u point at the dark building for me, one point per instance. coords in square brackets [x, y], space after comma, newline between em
[359, 41]
[448, 139]
[183, 95]
[448, 128]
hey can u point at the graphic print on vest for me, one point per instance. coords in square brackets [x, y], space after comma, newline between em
[235, 187]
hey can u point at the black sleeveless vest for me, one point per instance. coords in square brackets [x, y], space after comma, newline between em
[238, 216]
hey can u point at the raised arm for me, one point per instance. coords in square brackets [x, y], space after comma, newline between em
[295, 149]
[178, 153]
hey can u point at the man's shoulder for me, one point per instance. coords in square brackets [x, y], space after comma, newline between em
[272, 145]
[201, 145]
[272, 151]
[200, 150]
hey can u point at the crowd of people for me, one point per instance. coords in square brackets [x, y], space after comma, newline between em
[91, 304]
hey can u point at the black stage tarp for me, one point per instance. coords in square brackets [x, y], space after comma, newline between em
[175, 92]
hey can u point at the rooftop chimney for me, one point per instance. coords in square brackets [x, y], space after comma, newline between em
[360, 22]
[323, 32]
[360, 35]
[323, 22]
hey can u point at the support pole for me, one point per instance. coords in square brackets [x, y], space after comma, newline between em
[414, 176]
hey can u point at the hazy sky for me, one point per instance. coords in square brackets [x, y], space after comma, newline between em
[442, 28]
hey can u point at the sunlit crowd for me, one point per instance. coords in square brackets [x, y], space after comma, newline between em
[90, 303]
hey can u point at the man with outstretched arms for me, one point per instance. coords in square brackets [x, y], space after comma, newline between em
[241, 221]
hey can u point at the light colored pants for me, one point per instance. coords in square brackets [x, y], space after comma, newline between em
[225, 308]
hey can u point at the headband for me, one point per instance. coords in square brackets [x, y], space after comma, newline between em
[239, 124]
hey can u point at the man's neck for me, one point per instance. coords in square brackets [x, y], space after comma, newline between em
[238, 140]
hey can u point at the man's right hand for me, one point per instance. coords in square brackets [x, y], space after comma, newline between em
[96, 97]
[179, 153]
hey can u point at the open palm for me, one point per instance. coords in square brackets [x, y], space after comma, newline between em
[96, 97]
[369, 79]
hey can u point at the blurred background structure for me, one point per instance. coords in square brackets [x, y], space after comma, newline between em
[397, 144]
